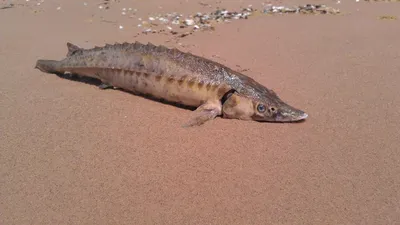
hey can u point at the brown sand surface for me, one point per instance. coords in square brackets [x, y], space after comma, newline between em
[73, 154]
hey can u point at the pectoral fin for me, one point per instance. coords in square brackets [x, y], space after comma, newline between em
[204, 113]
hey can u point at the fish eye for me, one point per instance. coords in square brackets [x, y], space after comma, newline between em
[261, 108]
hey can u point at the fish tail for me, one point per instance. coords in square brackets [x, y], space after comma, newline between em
[48, 66]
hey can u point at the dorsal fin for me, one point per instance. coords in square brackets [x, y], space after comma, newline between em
[72, 49]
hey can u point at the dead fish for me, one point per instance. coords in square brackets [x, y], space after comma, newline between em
[172, 75]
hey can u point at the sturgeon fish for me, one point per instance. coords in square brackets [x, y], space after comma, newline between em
[170, 74]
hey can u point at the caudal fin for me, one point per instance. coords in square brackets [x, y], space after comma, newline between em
[53, 66]
[48, 66]
[72, 49]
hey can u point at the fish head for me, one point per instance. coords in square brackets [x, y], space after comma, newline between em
[265, 109]
[280, 112]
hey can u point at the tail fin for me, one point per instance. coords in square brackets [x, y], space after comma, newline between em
[48, 66]
[72, 49]
[52, 66]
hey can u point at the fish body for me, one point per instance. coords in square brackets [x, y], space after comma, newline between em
[176, 76]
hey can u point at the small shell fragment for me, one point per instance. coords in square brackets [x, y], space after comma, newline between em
[189, 22]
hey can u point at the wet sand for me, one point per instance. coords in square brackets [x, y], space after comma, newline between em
[74, 154]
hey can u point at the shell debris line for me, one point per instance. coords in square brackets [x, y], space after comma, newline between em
[177, 24]
[382, 0]
[306, 9]
[181, 26]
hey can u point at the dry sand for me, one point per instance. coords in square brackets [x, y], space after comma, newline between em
[74, 154]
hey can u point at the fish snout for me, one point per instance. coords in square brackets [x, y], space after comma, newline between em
[291, 115]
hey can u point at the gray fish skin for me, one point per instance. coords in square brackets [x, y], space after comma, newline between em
[176, 76]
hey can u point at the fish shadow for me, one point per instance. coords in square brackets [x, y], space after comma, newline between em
[97, 83]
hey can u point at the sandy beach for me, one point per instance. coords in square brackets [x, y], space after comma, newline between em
[71, 153]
